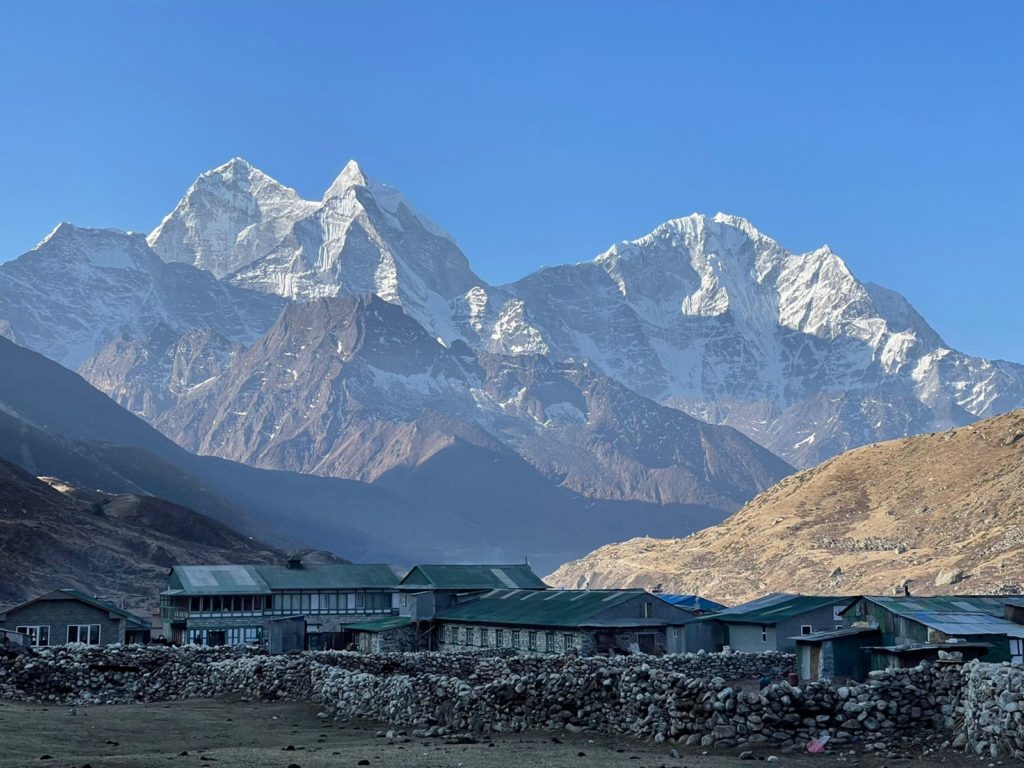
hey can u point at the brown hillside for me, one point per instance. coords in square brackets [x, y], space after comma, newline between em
[118, 547]
[943, 512]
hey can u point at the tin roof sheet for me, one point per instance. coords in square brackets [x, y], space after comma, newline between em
[470, 577]
[381, 625]
[552, 608]
[691, 602]
[954, 615]
[776, 607]
[263, 579]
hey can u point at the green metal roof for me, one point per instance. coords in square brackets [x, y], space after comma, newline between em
[380, 625]
[340, 576]
[469, 577]
[953, 615]
[103, 605]
[263, 579]
[550, 608]
[776, 607]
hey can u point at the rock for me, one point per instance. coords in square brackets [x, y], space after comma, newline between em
[948, 577]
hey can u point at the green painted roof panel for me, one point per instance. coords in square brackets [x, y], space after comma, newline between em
[469, 577]
[551, 608]
[380, 625]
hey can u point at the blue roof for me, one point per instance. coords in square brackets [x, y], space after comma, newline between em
[692, 602]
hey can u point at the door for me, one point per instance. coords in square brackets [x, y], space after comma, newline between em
[645, 641]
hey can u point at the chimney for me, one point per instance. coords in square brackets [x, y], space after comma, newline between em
[294, 561]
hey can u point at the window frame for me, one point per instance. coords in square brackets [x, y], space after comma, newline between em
[806, 629]
[88, 632]
[764, 633]
[33, 632]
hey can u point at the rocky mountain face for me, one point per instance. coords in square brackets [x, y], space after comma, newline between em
[353, 387]
[120, 547]
[940, 513]
[711, 316]
[705, 314]
[81, 288]
[361, 237]
[241, 326]
[442, 506]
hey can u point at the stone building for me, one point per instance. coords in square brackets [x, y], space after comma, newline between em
[69, 616]
[232, 604]
[428, 590]
[556, 621]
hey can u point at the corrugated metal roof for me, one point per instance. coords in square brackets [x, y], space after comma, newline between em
[221, 580]
[553, 608]
[103, 605]
[691, 602]
[380, 625]
[954, 615]
[818, 637]
[469, 577]
[339, 576]
[262, 579]
[776, 607]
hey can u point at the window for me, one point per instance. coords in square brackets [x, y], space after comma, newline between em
[84, 633]
[483, 637]
[467, 638]
[764, 634]
[646, 610]
[515, 638]
[531, 641]
[195, 604]
[38, 635]
[499, 638]
[806, 629]
[305, 602]
[549, 642]
[360, 599]
[569, 641]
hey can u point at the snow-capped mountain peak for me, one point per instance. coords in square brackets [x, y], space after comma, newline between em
[351, 176]
[363, 236]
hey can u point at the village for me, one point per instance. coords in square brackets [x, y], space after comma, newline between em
[298, 606]
[456, 651]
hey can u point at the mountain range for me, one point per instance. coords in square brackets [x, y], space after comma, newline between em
[347, 343]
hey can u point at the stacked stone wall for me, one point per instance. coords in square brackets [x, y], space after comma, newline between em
[713, 700]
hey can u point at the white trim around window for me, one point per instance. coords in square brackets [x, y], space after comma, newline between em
[89, 634]
[38, 635]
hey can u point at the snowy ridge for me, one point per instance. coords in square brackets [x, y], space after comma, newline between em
[705, 313]
[80, 288]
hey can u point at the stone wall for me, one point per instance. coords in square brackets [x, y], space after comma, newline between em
[992, 702]
[697, 699]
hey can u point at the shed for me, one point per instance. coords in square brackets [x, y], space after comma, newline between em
[287, 633]
[922, 621]
[839, 655]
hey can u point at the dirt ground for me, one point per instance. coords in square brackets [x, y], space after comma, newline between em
[218, 733]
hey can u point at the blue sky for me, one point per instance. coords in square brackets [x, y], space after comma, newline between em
[540, 133]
